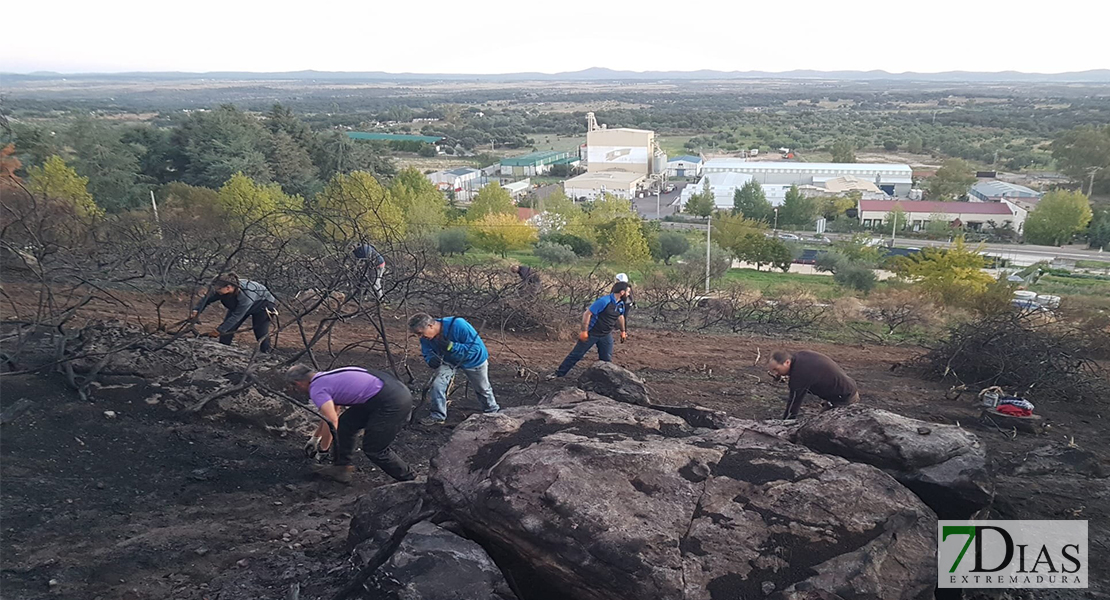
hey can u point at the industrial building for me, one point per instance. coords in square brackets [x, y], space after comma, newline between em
[722, 185]
[894, 180]
[918, 214]
[619, 161]
[997, 191]
[536, 163]
[684, 166]
[464, 182]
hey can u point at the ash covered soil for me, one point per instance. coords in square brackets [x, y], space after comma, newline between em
[152, 503]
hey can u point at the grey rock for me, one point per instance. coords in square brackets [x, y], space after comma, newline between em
[382, 509]
[604, 500]
[948, 468]
[434, 564]
[615, 382]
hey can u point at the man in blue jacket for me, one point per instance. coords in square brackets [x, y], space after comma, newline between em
[598, 323]
[450, 344]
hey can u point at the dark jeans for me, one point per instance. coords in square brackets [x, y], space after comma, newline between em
[260, 322]
[380, 419]
[604, 352]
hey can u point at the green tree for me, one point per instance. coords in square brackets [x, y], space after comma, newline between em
[424, 206]
[703, 203]
[153, 146]
[890, 145]
[952, 276]
[1083, 151]
[555, 254]
[56, 181]
[750, 201]
[843, 151]
[609, 208]
[951, 181]
[915, 145]
[730, 231]
[491, 199]
[858, 250]
[896, 217]
[250, 203]
[856, 277]
[1058, 217]
[1098, 233]
[624, 243]
[354, 206]
[212, 146]
[452, 241]
[938, 227]
[832, 207]
[671, 244]
[111, 165]
[292, 166]
[500, 232]
[797, 210]
[692, 265]
[335, 152]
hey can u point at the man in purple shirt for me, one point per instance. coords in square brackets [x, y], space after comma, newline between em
[376, 402]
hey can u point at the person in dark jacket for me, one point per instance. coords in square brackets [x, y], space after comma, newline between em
[812, 373]
[450, 344]
[375, 402]
[599, 321]
[373, 266]
[529, 279]
[243, 299]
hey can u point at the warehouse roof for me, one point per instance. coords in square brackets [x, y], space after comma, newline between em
[950, 208]
[748, 166]
[686, 158]
[1002, 189]
[545, 157]
[392, 137]
[463, 171]
[596, 180]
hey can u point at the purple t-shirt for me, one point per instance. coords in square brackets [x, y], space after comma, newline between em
[345, 387]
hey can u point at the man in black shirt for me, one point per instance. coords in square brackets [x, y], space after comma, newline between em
[529, 279]
[598, 323]
[813, 373]
[242, 298]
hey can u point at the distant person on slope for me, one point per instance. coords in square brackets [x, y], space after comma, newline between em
[598, 323]
[448, 345]
[242, 298]
[376, 403]
[812, 373]
[529, 279]
[372, 265]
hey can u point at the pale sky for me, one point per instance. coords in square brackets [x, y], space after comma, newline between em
[504, 36]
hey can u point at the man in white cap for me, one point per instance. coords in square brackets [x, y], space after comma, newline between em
[629, 303]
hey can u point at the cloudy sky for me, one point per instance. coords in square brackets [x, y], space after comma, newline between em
[502, 36]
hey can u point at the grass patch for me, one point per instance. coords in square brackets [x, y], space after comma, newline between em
[1071, 286]
[821, 286]
[1092, 264]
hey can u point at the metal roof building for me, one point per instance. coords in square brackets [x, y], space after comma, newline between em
[996, 191]
[918, 213]
[392, 137]
[895, 180]
[535, 163]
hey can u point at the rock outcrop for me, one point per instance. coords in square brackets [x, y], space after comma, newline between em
[607, 500]
[614, 382]
[943, 464]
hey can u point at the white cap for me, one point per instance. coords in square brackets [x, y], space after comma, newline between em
[622, 277]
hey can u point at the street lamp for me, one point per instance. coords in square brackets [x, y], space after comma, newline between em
[776, 221]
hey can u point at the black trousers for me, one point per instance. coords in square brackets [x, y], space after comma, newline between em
[380, 419]
[260, 322]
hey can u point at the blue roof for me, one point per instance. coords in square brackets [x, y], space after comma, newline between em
[686, 158]
[463, 171]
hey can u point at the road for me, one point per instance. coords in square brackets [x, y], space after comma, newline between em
[1017, 254]
[646, 206]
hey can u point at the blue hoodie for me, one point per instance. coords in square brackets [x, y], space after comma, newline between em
[458, 345]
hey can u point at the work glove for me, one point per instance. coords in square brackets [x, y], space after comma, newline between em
[215, 333]
[312, 450]
[624, 336]
[193, 315]
[584, 336]
[435, 363]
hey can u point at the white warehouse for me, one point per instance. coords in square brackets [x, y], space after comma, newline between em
[895, 180]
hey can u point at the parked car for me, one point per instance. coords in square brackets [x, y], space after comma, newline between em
[820, 239]
[789, 237]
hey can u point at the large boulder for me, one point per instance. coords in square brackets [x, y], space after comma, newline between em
[435, 564]
[602, 500]
[615, 382]
[382, 509]
[943, 464]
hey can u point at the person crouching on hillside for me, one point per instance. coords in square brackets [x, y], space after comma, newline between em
[812, 373]
[450, 344]
[242, 298]
[377, 404]
[598, 323]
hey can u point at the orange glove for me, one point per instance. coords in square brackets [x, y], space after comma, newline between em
[584, 336]
[624, 336]
[215, 333]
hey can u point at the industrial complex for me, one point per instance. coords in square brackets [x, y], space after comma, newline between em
[619, 161]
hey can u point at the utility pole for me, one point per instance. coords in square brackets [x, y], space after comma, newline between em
[893, 227]
[1091, 185]
[708, 247]
[154, 204]
[776, 221]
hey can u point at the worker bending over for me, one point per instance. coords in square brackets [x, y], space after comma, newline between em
[812, 373]
[448, 345]
[377, 404]
[371, 266]
[598, 323]
[242, 298]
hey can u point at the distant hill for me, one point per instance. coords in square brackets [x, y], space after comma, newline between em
[591, 74]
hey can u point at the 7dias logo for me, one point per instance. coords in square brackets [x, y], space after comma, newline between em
[1012, 554]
